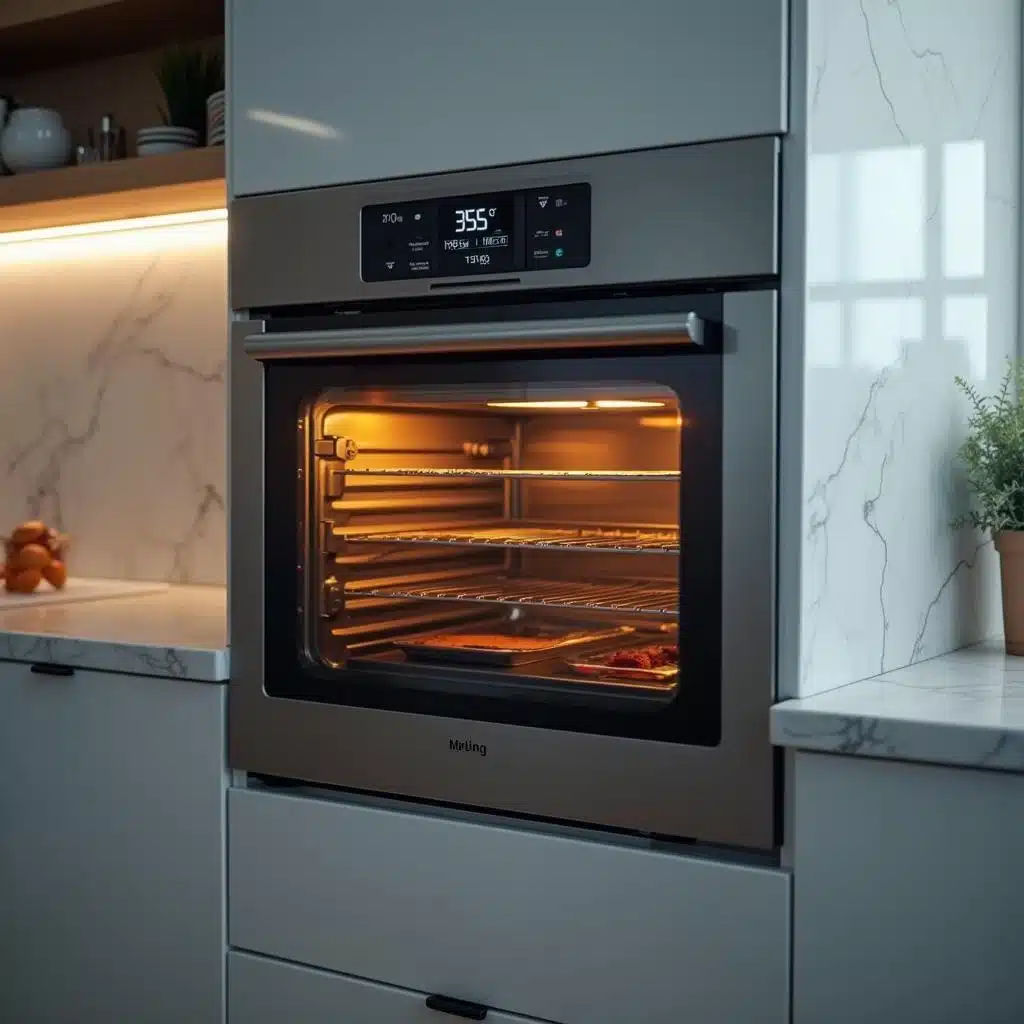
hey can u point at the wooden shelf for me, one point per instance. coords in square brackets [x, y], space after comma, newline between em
[36, 35]
[140, 187]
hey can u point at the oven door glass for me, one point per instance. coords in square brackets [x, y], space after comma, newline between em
[534, 541]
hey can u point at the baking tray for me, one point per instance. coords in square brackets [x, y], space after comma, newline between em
[664, 675]
[420, 648]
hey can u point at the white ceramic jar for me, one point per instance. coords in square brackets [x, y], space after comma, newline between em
[35, 139]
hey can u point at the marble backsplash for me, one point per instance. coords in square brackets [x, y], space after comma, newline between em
[112, 398]
[910, 278]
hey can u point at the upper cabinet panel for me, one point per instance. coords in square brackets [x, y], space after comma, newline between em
[326, 93]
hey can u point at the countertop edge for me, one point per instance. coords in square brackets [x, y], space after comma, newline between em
[876, 736]
[164, 662]
[179, 632]
[964, 708]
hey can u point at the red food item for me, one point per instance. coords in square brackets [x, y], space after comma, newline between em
[664, 654]
[655, 656]
[630, 659]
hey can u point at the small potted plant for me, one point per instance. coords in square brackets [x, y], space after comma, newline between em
[993, 460]
[187, 76]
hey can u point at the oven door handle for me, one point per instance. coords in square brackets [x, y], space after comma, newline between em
[595, 332]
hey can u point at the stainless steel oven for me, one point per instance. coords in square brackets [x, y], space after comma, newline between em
[503, 489]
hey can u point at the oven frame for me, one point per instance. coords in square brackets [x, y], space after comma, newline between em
[723, 794]
[691, 715]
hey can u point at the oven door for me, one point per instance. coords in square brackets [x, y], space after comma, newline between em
[523, 564]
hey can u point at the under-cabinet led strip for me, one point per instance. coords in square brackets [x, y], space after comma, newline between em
[106, 227]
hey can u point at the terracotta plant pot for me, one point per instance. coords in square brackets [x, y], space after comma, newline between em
[1010, 545]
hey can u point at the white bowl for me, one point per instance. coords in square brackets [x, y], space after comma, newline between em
[164, 132]
[160, 148]
[35, 139]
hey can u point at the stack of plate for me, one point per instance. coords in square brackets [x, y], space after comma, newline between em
[165, 139]
[215, 124]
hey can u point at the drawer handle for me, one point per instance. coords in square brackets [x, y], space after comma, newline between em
[457, 1007]
[48, 668]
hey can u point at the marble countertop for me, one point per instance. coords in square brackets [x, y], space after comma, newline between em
[180, 633]
[963, 708]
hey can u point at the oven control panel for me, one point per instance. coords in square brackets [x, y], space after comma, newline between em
[489, 233]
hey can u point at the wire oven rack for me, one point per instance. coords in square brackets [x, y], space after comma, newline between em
[623, 475]
[620, 596]
[547, 536]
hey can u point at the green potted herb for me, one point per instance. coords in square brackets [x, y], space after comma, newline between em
[993, 460]
[187, 76]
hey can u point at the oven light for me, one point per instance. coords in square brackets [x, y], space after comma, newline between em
[601, 403]
[626, 403]
[543, 404]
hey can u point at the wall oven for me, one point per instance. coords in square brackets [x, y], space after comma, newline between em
[503, 489]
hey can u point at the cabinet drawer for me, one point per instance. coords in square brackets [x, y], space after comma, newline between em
[565, 929]
[262, 991]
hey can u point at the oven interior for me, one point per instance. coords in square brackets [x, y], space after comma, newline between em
[497, 540]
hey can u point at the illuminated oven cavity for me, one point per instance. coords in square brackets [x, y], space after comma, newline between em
[519, 536]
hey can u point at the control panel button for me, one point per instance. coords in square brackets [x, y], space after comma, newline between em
[398, 241]
[558, 227]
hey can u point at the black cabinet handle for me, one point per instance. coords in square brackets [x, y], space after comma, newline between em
[457, 1007]
[48, 668]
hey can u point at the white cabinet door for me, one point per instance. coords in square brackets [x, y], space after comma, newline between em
[574, 930]
[908, 893]
[326, 93]
[262, 991]
[111, 869]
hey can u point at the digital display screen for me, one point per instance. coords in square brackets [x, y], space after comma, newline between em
[476, 234]
[492, 233]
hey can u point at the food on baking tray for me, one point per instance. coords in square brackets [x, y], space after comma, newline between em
[489, 641]
[655, 656]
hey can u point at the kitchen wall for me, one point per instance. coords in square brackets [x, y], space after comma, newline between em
[112, 398]
[909, 113]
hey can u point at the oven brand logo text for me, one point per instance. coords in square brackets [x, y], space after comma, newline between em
[466, 747]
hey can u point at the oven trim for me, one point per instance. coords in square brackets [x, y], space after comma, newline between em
[303, 247]
[724, 794]
[688, 716]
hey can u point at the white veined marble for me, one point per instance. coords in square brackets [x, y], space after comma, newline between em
[179, 633]
[964, 708]
[112, 398]
[911, 278]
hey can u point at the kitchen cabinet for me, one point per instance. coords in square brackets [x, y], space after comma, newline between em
[262, 991]
[908, 892]
[37, 35]
[150, 186]
[324, 93]
[566, 927]
[111, 848]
